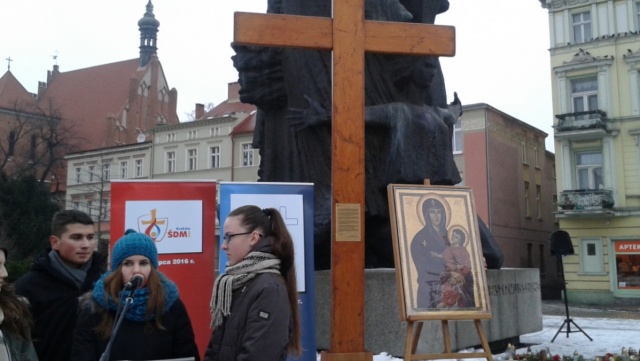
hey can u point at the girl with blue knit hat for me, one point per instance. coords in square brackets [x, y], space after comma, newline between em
[155, 325]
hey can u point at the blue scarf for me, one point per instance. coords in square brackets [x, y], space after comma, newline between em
[137, 310]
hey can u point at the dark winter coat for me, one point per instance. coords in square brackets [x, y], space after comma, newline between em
[135, 340]
[54, 304]
[259, 326]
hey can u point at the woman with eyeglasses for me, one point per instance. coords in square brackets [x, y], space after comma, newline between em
[250, 317]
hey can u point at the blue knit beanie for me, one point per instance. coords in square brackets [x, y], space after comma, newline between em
[131, 244]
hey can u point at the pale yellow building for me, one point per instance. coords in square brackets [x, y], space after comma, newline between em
[595, 58]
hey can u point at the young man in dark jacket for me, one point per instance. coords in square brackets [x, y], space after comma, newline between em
[57, 278]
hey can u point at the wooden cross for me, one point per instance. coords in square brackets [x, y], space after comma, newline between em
[349, 36]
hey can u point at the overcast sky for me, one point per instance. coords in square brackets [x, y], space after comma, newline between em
[502, 46]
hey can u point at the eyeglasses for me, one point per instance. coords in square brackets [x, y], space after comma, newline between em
[227, 237]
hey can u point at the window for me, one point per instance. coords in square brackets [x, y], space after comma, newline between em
[78, 175]
[584, 76]
[76, 205]
[124, 166]
[104, 209]
[589, 170]
[139, 170]
[581, 27]
[526, 200]
[193, 134]
[584, 95]
[192, 159]
[215, 131]
[106, 171]
[34, 146]
[524, 151]
[214, 156]
[171, 137]
[170, 162]
[539, 200]
[638, 14]
[457, 137]
[247, 155]
[12, 143]
[536, 156]
[529, 255]
[92, 172]
[90, 208]
[543, 266]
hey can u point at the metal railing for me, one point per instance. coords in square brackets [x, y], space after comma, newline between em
[592, 119]
[586, 199]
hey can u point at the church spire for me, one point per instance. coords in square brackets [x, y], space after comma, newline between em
[148, 26]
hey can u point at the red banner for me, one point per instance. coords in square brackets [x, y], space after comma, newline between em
[180, 216]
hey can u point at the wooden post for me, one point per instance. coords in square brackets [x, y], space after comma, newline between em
[349, 36]
[347, 173]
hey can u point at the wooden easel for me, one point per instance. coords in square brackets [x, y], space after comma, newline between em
[414, 323]
[414, 328]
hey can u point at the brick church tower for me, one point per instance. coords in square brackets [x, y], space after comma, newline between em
[99, 106]
[116, 103]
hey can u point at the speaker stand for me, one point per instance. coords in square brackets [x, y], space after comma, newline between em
[567, 321]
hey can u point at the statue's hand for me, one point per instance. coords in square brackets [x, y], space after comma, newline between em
[455, 107]
[310, 116]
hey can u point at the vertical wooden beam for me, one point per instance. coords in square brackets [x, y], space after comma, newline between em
[347, 159]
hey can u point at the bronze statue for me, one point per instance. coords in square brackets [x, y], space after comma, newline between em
[408, 124]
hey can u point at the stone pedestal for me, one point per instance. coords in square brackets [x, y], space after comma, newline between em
[514, 296]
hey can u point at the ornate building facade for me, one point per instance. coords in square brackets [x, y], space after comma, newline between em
[595, 58]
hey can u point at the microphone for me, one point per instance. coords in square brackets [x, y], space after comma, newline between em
[135, 282]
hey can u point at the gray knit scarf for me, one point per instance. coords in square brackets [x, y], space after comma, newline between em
[235, 277]
[75, 275]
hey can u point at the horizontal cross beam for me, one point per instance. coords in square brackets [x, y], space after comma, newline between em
[317, 33]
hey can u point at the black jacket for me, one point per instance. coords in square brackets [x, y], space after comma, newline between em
[135, 340]
[259, 326]
[54, 304]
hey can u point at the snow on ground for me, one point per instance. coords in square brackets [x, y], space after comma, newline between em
[608, 334]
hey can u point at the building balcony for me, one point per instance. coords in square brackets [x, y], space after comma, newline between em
[592, 119]
[581, 125]
[586, 202]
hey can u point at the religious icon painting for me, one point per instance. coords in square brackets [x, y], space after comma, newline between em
[438, 255]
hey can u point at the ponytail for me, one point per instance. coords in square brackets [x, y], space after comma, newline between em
[270, 221]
